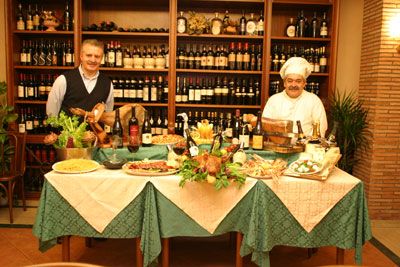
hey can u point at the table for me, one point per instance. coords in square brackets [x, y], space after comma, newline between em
[260, 216]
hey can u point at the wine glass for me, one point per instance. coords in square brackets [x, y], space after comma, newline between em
[114, 144]
[179, 147]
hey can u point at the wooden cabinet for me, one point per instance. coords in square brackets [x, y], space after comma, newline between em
[153, 24]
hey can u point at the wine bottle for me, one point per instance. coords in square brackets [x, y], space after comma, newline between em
[331, 139]
[232, 57]
[251, 25]
[314, 26]
[191, 144]
[323, 32]
[133, 142]
[29, 18]
[20, 18]
[67, 17]
[260, 24]
[258, 134]
[316, 134]
[217, 142]
[242, 24]
[236, 128]
[146, 130]
[244, 135]
[117, 131]
[181, 23]
[290, 28]
[300, 134]
[36, 18]
[216, 25]
[22, 123]
[301, 25]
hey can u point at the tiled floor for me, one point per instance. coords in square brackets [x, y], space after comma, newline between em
[18, 247]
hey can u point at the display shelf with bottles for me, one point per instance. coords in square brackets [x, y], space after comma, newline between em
[309, 28]
[131, 26]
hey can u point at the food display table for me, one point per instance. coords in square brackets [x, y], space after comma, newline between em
[256, 211]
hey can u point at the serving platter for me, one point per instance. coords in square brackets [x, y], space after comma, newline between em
[167, 139]
[305, 167]
[148, 171]
[71, 166]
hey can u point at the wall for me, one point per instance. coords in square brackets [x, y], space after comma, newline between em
[380, 91]
[349, 43]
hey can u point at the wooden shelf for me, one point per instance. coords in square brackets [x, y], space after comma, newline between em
[309, 2]
[43, 32]
[133, 34]
[297, 39]
[133, 69]
[150, 104]
[220, 36]
[242, 72]
[311, 75]
[43, 67]
[33, 102]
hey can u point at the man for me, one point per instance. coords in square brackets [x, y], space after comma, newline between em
[84, 86]
[294, 103]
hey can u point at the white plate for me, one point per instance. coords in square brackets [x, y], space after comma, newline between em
[61, 166]
[298, 162]
[138, 172]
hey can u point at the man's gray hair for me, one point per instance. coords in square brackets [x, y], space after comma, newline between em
[93, 42]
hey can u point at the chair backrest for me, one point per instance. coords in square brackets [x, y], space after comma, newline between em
[12, 151]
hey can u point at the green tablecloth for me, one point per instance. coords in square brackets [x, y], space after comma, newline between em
[260, 216]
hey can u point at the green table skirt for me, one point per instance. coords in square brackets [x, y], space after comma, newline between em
[260, 216]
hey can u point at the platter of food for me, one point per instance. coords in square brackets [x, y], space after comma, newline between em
[260, 168]
[75, 166]
[149, 168]
[166, 139]
[305, 166]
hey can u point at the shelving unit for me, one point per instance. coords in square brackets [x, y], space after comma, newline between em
[163, 14]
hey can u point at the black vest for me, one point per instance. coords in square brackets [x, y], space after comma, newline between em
[76, 95]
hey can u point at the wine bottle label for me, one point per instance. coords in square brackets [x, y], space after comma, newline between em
[291, 31]
[191, 95]
[178, 98]
[118, 61]
[184, 98]
[324, 31]
[22, 57]
[146, 138]
[29, 125]
[42, 90]
[31, 92]
[164, 131]
[194, 151]
[107, 128]
[210, 61]
[21, 91]
[111, 57]
[250, 27]
[322, 61]
[21, 128]
[239, 57]
[20, 25]
[29, 25]
[134, 130]
[181, 27]
[246, 58]
[260, 26]
[245, 139]
[228, 132]
[197, 95]
[258, 142]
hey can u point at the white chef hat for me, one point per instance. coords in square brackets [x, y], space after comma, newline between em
[296, 65]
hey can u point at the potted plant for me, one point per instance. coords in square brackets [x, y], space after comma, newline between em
[6, 117]
[347, 110]
[73, 141]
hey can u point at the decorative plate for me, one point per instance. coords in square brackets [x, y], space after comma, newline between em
[76, 166]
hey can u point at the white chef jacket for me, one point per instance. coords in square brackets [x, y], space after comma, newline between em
[306, 108]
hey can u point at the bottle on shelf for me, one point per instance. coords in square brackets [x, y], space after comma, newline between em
[244, 135]
[251, 25]
[181, 23]
[20, 18]
[67, 25]
[216, 25]
[260, 24]
[290, 30]
[36, 19]
[117, 131]
[29, 18]
[324, 26]
[258, 134]
[146, 130]
[314, 26]
[242, 24]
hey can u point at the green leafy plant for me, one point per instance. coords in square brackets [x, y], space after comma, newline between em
[347, 110]
[72, 133]
[6, 116]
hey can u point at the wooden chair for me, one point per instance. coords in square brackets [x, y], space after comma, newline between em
[12, 166]
[62, 264]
